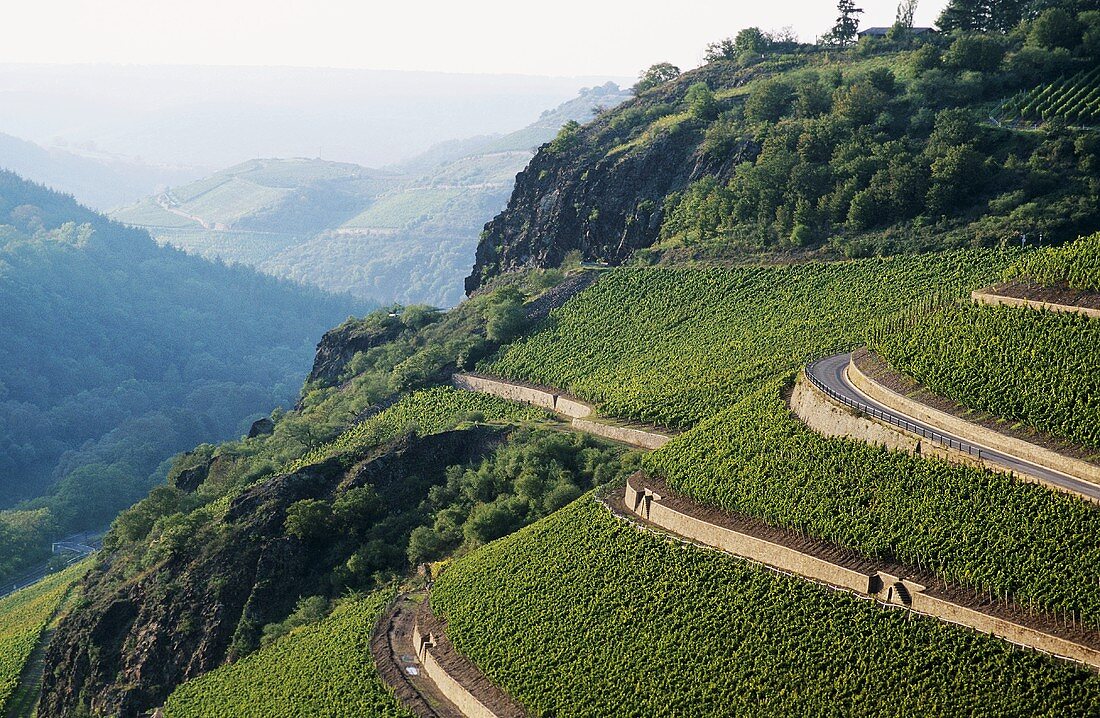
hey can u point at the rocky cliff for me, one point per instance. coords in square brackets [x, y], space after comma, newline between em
[201, 593]
[601, 190]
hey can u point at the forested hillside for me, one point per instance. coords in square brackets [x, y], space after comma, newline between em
[118, 353]
[896, 144]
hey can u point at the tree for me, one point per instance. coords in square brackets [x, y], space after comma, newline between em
[308, 519]
[847, 23]
[505, 316]
[750, 41]
[906, 10]
[903, 20]
[966, 15]
[1054, 28]
[656, 75]
[701, 101]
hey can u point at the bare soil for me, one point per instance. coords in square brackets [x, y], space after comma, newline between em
[1059, 294]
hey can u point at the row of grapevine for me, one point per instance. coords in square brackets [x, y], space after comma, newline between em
[674, 346]
[1075, 98]
[324, 670]
[1075, 265]
[1041, 368]
[23, 616]
[584, 615]
[979, 530]
[427, 412]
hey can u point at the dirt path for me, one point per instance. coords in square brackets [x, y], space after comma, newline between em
[395, 656]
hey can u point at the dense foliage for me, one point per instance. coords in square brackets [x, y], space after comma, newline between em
[1038, 367]
[584, 615]
[976, 529]
[118, 353]
[24, 615]
[1075, 265]
[884, 157]
[323, 670]
[673, 346]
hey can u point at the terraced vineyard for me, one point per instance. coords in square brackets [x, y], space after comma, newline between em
[1075, 265]
[426, 412]
[975, 529]
[23, 617]
[1075, 99]
[323, 671]
[582, 615]
[674, 346]
[1041, 368]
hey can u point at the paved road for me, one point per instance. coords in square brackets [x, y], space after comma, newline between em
[831, 373]
[76, 547]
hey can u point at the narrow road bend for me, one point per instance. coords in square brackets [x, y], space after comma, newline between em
[831, 373]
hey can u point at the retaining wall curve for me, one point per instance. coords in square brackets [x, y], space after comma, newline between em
[971, 432]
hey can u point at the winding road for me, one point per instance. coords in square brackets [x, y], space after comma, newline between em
[831, 375]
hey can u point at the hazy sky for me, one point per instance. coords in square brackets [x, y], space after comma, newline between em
[559, 37]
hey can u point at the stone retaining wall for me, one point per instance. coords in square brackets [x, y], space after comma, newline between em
[648, 505]
[628, 435]
[892, 589]
[973, 433]
[995, 300]
[447, 684]
[828, 418]
[550, 401]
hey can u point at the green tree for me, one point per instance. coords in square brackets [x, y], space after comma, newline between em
[656, 75]
[1055, 28]
[981, 53]
[701, 101]
[309, 519]
[956, 176]
[847, 23]
[505, 316]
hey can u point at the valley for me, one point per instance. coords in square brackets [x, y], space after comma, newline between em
[770, 388]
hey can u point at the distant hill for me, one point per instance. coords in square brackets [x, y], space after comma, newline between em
[118, 352]
[99, 183]
[405, 233]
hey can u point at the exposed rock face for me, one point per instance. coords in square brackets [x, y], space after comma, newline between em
[339, 345]
[261, 427]
[600, 195]
[144, 630]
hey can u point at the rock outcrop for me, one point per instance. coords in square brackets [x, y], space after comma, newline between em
[201, 594]
[603, 192]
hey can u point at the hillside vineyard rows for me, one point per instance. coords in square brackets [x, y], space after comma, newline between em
[24, 615]
[427, 412]
[323, 670]
[1075, 265]
[975, 529]
[1075, 99]
[1038, 367]
[675, 346]
[552, 615]
[704, 343]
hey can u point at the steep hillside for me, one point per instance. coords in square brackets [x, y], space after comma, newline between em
[405, 233]
[888, 147]
[102, 184]
[118, 353]
[377, 469]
